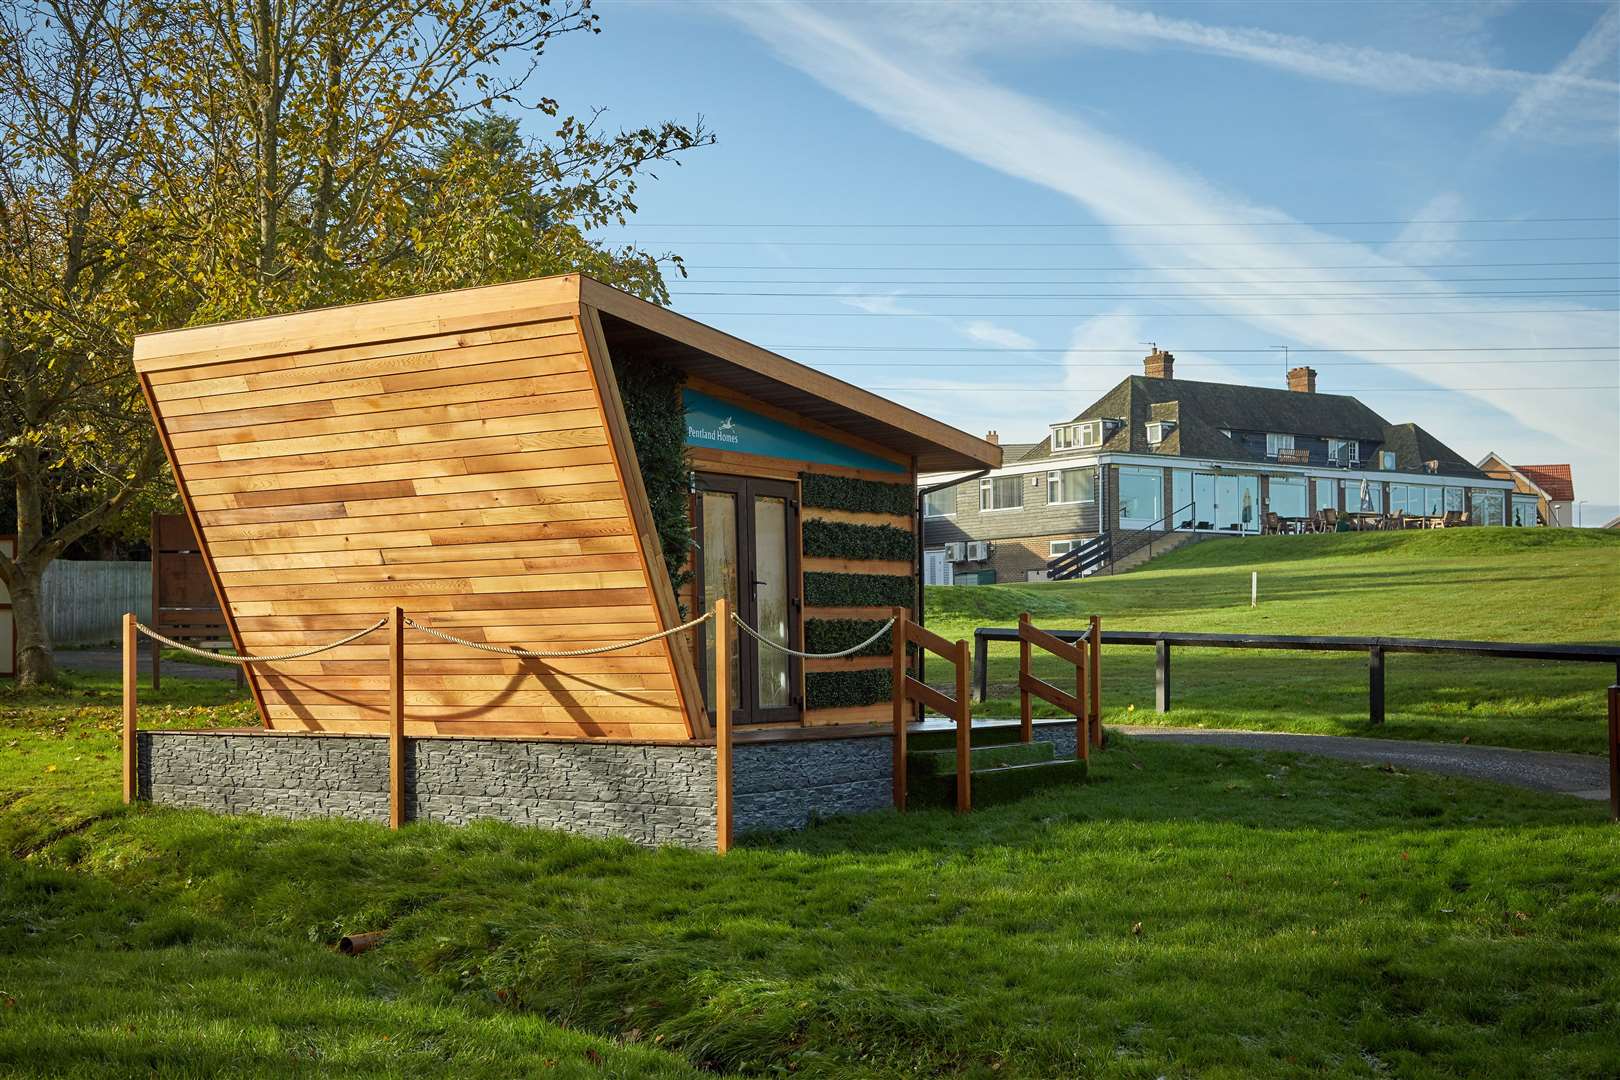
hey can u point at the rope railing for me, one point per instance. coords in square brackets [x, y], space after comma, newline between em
[228, 658]
[551, 654]
[779, 647]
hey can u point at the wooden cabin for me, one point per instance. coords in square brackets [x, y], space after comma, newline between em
[468, 457]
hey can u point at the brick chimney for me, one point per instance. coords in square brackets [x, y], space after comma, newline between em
[992, 438]
[1302, 380]
[1159, 364]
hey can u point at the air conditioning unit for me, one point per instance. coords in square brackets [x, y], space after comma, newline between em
[978, 551]
[955, 552]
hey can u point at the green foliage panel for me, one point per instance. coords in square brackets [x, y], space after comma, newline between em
[860, 496]
[842, 540]
[657, 419]
[836, 635]
[846, 689]
[825, 589]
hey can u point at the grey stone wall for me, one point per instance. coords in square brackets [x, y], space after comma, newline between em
[787, 785]
[646, 794]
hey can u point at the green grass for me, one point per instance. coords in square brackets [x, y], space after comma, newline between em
[1551, 585]
[1189, 912]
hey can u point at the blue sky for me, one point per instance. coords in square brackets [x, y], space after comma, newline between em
[1357, 182]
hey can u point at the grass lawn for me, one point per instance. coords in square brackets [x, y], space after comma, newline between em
[1191, 912]
[1552, 585]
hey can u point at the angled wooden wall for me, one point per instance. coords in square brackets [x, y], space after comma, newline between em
[453, 454]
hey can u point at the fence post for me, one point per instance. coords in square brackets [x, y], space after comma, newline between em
[1096, 681]
[964, 733]
[1614, 753]
[981, 668]
[1161, 676]
[1026, 721]
[396, 719]
[722, 725]
[131, 656]
[1082, 711]
[1375, 684]
[897, 695]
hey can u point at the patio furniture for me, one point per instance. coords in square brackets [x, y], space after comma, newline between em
[1273, 525]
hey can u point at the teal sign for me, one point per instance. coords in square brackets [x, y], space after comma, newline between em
[721, 425]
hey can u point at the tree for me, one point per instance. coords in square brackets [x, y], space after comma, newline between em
[168, 162]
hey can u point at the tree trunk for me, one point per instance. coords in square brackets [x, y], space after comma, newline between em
[35, 664]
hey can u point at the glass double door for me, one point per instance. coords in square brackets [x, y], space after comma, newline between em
[748, 552]
[1218, 502]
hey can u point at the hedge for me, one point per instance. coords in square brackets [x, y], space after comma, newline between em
[842, 540]
[861, 496]
[836, 635]
[825, 589]
[846, 689]
[651, 392]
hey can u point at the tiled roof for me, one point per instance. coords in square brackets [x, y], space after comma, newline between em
[1555, 480]
[1414, 447]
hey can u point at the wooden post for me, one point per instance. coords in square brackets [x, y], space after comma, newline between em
[722, 725]
[1096, 681]
[1614, 753]
[1026, 722]
[396, 719]
[1082, 711]
[981, 668]
[131, 656]
[964, 733]
[1375, 684]
[897, 694]
[1161, 676]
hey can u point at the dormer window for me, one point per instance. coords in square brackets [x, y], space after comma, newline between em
[1276, 443]
[1082, 434]
[1344, 452]
[1159, 430]
[1386, 460]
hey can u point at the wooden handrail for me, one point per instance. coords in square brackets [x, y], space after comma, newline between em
[1029, 637]
[927, 639]
[907, 689]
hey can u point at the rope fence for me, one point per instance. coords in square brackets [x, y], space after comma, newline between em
[548, 654]
[228, 658]
[779, 647]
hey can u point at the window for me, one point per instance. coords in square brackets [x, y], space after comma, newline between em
[1141, 496]
[1524, 510]
[1386, 460]
[1488, 508]
[1063, 547]
[1326, 497]
[1344, 451]
[1001, 493]
[1288, 497]
[1454, 498]
[1276, 442]
[1077, 436]
[1159, 430]
[1357, 503]
[1071, 486]
[940, 504]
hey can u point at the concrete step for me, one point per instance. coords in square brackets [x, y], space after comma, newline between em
[994, 785]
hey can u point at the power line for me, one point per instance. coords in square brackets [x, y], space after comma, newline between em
[992, 388]
[1136, 350]
[1104, 281]
[1138, 314]
[1132, 365]
[1128, 225]
[1154, 296]
[1141, 269]
[1382, 242]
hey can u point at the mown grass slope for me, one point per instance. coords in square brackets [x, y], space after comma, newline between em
[1553, 585]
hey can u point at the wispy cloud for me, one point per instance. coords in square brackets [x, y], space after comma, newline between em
[948, 103]
[989, 333]
[1544, 107]
[977, 28]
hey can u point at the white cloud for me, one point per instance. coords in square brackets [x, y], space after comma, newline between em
[990, 333]
[1544, 108]
[973, 29]
[951, 105]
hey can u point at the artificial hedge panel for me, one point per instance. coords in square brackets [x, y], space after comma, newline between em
[825, 589]
[860, 496]
[656, 415]
[843, 540]
[846, 689]
[836, 635]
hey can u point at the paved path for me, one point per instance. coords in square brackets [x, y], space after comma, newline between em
[1585, 776]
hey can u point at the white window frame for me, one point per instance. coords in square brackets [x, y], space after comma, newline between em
[1277, 441]
[1077, 435]
[1067, 546]
[949, 492]
[1054, 483]
[1386, 460]
[1139, 472]
[1353, 444]
[1158, 430]
[987, 487]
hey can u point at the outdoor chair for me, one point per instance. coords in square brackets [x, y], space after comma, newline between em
[1329, 520]
[1273, 524]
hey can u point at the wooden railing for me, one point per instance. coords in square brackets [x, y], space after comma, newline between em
[907, 689]
[1084, 654]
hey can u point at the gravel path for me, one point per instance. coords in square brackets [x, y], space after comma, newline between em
[1585, 776]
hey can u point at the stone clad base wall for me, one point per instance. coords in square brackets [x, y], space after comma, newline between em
[647, 794]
